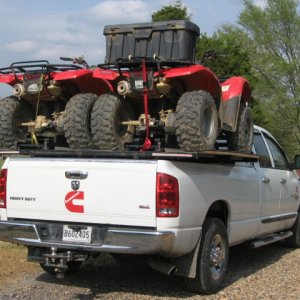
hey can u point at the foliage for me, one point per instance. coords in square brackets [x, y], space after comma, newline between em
[223, 54]
[274, 48]
[173, 11]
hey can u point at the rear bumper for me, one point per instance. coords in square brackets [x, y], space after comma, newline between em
[108, 239]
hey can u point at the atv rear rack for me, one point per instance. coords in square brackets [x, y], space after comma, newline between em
[37, 66]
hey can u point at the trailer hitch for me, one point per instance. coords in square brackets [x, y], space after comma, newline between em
[60, 261]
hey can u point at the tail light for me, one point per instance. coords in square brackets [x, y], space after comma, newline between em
[3, 179]
[167, 196]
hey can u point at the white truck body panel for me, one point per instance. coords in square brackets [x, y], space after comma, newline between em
[118, 197]
[109, 197]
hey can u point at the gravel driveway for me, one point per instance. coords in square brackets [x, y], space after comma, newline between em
[272, 272]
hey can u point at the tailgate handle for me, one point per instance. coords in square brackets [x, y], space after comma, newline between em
[76, 175]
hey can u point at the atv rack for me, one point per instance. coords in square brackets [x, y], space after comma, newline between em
[37, 66]
[210, 156]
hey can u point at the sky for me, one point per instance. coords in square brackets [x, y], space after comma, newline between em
[36, 30]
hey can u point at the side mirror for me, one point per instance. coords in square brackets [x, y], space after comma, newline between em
[296, 164]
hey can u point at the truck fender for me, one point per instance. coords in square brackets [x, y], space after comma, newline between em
[234, 90]
[196, 77]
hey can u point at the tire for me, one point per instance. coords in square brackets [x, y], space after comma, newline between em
[294, 240]
[77, 121]
[73, 267]
[210, 274]
[242, 139]
[196, 123]
[108, 113]
[13, 112]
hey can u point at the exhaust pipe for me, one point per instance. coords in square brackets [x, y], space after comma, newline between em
[162, 266]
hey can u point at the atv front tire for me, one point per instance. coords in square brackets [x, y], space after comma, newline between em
[108, 114]
[196, 124]
[13, 113]
[241, 140]
[77, 121]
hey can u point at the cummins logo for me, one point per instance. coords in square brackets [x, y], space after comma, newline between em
[71, 200]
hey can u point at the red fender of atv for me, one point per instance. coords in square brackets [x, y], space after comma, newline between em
[108, 75]
[9, 79]
[86, 81]
[234, 90]
[196, 77]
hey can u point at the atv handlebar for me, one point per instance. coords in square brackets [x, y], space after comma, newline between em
[76, 60]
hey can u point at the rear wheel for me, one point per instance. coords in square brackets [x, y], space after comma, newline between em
[77, 121]
[241, 140]
[212, 258]
[108, 114]
[196, 122]
[13, 113]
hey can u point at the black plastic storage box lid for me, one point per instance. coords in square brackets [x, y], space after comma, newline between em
[168, 40]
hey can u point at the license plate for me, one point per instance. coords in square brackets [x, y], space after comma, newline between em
[80, 236]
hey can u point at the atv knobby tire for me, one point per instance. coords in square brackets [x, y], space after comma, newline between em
[241, 140]
[14, 112]
[108, 113]
[196, 122]
[77, 121]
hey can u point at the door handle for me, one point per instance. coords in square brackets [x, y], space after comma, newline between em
[76, 175]
[282, 180]
[265, 179]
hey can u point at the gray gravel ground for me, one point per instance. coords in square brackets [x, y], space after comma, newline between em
[272, 272]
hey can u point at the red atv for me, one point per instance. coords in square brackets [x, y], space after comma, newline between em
[161, 97]
[51, 102]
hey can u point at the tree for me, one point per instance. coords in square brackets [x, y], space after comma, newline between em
[225, 56]
[173, 11]
[274, 46]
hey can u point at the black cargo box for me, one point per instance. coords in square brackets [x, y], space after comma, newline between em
[169, 40]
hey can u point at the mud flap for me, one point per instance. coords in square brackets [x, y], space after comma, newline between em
[187, 264]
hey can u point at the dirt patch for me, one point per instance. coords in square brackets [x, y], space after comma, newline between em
[271, 272]
[13, 264]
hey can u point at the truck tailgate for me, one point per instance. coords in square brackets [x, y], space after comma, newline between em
[117, 192]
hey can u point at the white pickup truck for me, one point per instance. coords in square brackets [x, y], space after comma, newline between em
[181, 210]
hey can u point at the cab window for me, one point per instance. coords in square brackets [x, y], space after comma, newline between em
[279, 158]
[262, 151]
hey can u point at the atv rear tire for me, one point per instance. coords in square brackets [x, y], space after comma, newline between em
[108, 113]
[77, 121]
[241, 140]
[13, 113]
[196, 122]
